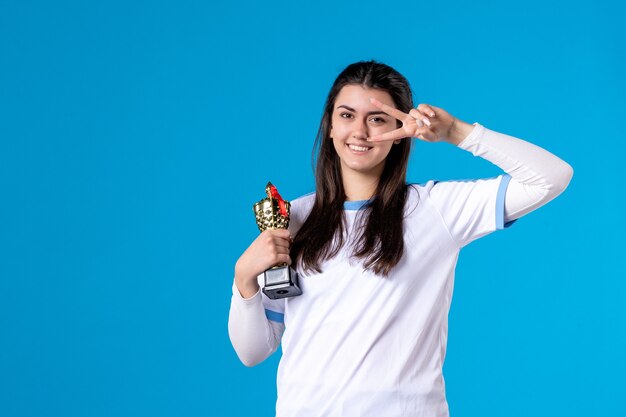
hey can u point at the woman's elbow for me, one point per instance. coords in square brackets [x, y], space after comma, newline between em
[566, 176]
[566, 172]
[248, 352]
[249, 356]
[250, 361]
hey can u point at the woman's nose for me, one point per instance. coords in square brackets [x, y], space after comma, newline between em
[360, 131]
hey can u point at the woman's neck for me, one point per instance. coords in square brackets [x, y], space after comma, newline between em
[359, 186]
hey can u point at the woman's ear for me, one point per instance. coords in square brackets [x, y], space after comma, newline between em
[397, 141]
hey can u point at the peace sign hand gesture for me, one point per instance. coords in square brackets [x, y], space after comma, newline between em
[426, 122]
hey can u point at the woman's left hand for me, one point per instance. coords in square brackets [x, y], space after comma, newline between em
[426, 122]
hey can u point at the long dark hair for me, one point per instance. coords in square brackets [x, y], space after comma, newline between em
[380, 244]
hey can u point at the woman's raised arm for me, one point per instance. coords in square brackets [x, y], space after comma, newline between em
[537, 176]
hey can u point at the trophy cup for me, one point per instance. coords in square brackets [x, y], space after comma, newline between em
[280, 281]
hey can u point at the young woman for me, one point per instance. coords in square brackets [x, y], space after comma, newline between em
[376, 257]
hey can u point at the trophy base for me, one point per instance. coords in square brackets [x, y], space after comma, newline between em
[281, 282]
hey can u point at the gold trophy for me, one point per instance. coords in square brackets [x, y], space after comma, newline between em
[280, 281]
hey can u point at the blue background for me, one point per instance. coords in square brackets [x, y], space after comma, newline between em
[135, 137]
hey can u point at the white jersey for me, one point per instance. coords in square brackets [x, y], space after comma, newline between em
[358, 344]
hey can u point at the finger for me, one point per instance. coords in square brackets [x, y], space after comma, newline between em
[275, 252]
[270, 237]
[276, 258]
[282, 243]
[424, 118]
[418, 117]
[283, 258]
[281, 233]
[427, 136]
[388, 109]
[426, 109]
[393, 135]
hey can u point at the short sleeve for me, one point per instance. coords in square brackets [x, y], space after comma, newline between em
[471, 209]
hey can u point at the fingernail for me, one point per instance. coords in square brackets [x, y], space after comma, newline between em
[427, 122]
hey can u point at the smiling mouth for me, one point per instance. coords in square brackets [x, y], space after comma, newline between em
[358, 148]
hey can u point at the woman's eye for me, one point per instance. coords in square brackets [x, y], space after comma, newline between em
[346, 115]
[377, 120]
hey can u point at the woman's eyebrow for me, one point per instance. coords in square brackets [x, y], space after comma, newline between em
[369, 113]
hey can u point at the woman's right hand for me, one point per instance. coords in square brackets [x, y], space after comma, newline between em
[269, 249]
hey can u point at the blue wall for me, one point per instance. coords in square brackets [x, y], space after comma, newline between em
[134, 139]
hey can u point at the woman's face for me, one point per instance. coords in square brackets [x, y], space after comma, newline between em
[355, 118]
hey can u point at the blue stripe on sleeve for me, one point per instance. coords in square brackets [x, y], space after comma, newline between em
[275, 316]
[504, 183]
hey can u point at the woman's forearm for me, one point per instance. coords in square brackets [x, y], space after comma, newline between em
[537, 176]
